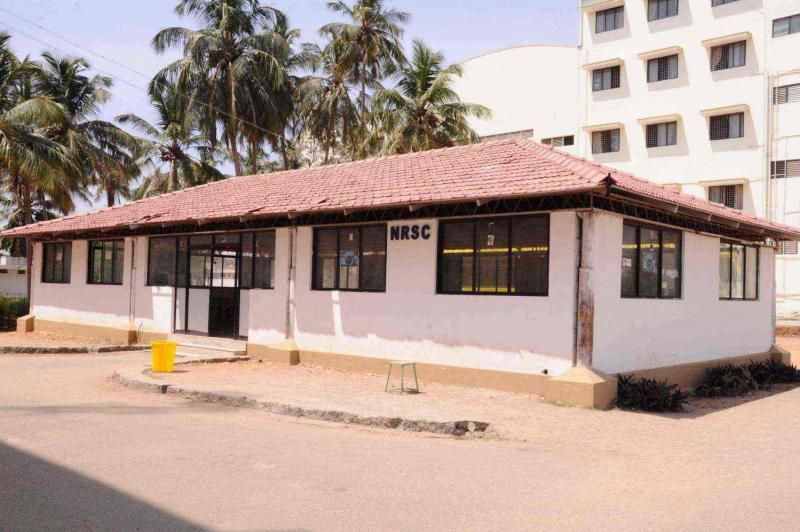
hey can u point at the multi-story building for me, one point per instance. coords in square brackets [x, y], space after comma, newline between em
[700, 95]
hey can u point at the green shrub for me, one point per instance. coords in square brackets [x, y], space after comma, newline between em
[10, 310]
[649, 395]
[732, 381]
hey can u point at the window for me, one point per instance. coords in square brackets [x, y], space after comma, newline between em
[605, 141]
[781, 169]
[106, 261]
[787, 248]
[786, 25]
[738, 271]
[728, 56]
[567, 140]
[662, 68]
[659, 135]
[501, 256]
[201, 261]
[786, 94]
[726, 126]
[715, 3]
[609, 19]
[350, 258]
[56, 262]
[651, 262]
[658, 9]
[604, 79]
[728, 195]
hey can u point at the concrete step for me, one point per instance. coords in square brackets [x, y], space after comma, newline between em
[190, 345]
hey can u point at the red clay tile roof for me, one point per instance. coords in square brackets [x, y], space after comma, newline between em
[492, 170]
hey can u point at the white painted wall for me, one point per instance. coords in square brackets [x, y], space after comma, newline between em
[633, 334]
[525, 87]
[13, 283]
[410, 321]
[267, 308]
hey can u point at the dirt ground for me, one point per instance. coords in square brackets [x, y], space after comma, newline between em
[41, 339]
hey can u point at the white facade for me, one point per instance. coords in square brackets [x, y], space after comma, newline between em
[694, 163]
[13, 278]
[410, 320]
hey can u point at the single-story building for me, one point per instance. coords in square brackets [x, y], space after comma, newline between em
[506, 264]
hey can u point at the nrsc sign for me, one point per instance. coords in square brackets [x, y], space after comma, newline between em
[410, 232]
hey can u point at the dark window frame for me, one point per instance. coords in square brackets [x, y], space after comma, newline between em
[744, 272]
[727, 127]
[558, 142]
[615, 78]
[663, 68]
[114, 252]
[607, 141]
[618, 15]
[785, 94]
[792, 25]
[715, 3]
[475, 256]
[651, 134]
[639, 226]
[338, 229]
[658, 13]
[66, 263]
[187, 273]
[727, 56]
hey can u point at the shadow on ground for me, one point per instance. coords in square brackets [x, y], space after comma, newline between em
[40, 495]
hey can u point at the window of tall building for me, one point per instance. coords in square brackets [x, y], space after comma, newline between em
[715, 3]
[787, 248]
[658, 9]
[786, 94]
[786, 26]
[605, 141]
[609, 19]
[662, 68]
[604, 79]
[728, 195]
[730, 55]
[659, 135]
[730, 126]
[788, 168]
[567, 140]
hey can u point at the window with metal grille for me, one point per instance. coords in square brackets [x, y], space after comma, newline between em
[350, 258]
[786, 26]
[651, 262]
[609, 19]
[715, 3]
[730, 55]
[658, 9]
[605, 141]
[662, 68]
[499, 256]
[786, 94]
[788, 168]
[738, 271]
[56, 262]
[106, 261]
[567, 140]
[604, 79]
[728, 195]
[665, 134]
[787, 248]
[729, 126]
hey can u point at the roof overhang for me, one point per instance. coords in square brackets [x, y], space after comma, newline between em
[661, 52]
[604, 127]
[726, 39]
[723, 181]
[591, 6]
[659, 119]
[728, 109]
[616, 61]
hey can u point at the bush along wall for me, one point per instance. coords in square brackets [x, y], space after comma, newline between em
[10, 310]
[733, 381]
[649, 395]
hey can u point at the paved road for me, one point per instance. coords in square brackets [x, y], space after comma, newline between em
[77, 452]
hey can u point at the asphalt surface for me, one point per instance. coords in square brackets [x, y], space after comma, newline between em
[78, 452]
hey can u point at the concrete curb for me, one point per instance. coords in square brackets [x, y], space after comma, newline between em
[32, 350]
[142, 382]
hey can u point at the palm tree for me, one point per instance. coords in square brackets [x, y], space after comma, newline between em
[370, 42]
[235, 46]
[104, 149]
[168, 148]
[423, 112]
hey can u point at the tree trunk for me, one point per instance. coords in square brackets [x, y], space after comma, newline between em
[173, 175]
[284, 153]
[111, 195]
[253, 157]
[363, 92]
[235, 156]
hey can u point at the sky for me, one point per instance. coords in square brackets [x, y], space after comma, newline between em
[114, 35]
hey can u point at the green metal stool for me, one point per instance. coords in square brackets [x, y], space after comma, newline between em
[402, 364]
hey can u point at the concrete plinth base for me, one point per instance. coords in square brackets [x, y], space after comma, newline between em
[25, 323]
[285, 352]
[780, 355]
[582, 386]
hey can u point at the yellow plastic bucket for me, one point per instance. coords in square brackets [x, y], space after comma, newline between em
[163, 356]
